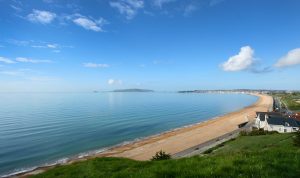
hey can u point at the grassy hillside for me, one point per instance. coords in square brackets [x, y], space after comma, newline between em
[291, 100]
[247, 156]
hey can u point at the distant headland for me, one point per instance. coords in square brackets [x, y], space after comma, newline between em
[133, 90]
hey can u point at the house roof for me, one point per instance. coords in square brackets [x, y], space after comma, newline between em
[269, 113]
[262, 115]
[279, 120]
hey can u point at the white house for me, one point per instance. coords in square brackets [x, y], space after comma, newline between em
[272, 121]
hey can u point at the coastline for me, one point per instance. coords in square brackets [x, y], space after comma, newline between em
[183, 138]
[175, 140]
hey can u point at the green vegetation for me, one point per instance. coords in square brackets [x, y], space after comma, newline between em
[291, 100]
[161, 155]
[297, 139]
[257, 132]
[272, 155]
[210, 150]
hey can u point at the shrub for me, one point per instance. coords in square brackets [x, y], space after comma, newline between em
[297, 139]
[161, 155]
[243, 133]
[257, 132]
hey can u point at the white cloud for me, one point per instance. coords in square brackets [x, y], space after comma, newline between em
[114, 82]
[241, 61]
[94, 65]
[28, 60]
[290, 59]
[43, 17]
[52, 45]
[128, 8]
[6, 60]
[90, 24]
[160, 3]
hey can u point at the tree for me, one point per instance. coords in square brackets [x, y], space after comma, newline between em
[161, 155]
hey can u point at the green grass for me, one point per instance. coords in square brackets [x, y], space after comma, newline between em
[247, 156]
[289, 99]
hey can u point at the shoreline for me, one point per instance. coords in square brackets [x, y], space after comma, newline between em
[169, 141]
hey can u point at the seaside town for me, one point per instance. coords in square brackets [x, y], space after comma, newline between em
[283, 116]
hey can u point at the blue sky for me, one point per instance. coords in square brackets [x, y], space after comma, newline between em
[61, 45]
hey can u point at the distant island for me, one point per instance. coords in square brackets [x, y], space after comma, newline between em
[133, 90]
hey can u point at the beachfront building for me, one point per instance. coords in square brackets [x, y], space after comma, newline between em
[272, 121]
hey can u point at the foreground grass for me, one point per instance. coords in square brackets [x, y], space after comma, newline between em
[247, 156]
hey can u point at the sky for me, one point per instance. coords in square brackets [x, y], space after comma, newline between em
[164, 45]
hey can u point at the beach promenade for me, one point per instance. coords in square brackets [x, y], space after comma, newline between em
[184, 138]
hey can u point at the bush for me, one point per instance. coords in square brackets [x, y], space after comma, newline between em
[161, 155]
[297, 139]
[243, 133]
[257, 132]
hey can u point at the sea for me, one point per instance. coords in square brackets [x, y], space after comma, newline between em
[40, 129]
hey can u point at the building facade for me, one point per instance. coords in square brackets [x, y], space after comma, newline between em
[272, 121]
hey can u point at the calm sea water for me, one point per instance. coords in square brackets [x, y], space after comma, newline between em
[42, 128]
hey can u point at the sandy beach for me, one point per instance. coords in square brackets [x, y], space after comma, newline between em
[184, 138]
[180, 139]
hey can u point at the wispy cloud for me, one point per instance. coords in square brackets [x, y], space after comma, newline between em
[160, 3]
[128, 8]
[95, 65]
[40, 16]
[15, 73]
[38, 44]
[28, 74]
[90, 24]
[52, 46]
[28, 60]
[87, 22]
[6, 60]
[48, 1]
[18, 9]
[290, 59]
[215, 2]
[189, 9]
[114, 82]
[242, 61]
[19, 42]
[12, 73]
